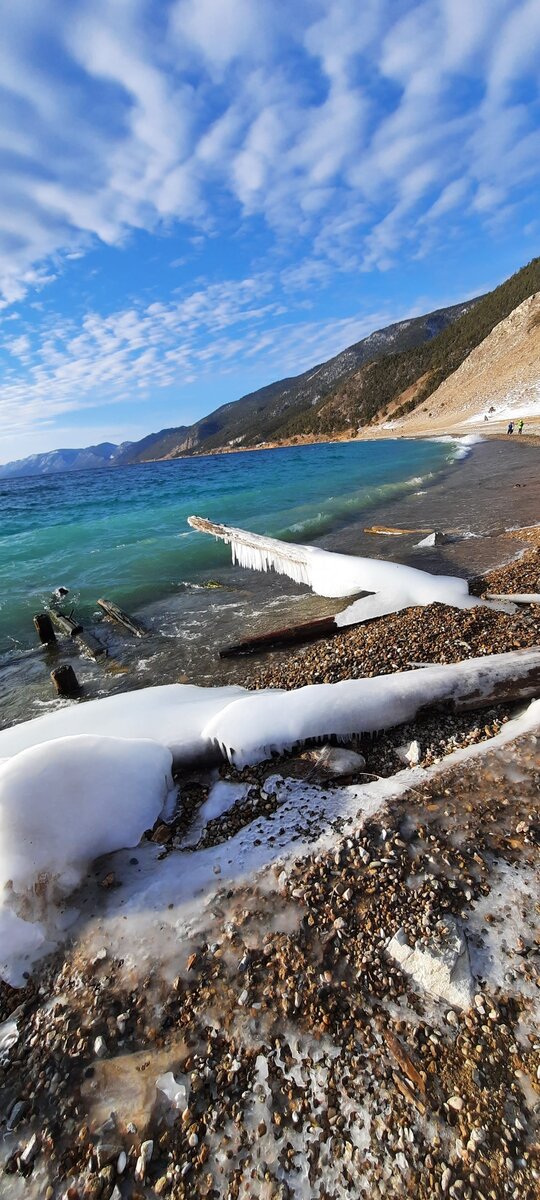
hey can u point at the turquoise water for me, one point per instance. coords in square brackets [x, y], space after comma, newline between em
[123, 534]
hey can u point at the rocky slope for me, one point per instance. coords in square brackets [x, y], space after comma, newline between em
[499, 380]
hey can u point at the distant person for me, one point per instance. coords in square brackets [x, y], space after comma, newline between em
[520, 426]
[510, 427]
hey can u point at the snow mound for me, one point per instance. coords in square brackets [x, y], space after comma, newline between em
[171, 715]
[61, 806]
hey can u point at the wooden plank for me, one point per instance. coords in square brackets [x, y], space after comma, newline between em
[122, 618]
[65, 624]
[91, 645]
[308, 631]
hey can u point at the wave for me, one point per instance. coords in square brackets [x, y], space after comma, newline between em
[343, 510]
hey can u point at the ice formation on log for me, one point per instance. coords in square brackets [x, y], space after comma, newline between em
[246, 726]
[337, 575]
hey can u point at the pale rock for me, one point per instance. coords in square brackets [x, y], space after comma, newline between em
[147, 1150]
[443, 969]
[336, 761]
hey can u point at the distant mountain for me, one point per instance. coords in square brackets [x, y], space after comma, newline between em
[388, 373]
[106, 454]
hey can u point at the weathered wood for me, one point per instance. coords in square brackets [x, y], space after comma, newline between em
[91, 645]
[115, 613]
[521, 683]
[516, 597]
[66, 682]
[87, 642]
[404, 1060]
[65, 624]
[44, 627]
[508, 692]
[392, 531]
[308, 631]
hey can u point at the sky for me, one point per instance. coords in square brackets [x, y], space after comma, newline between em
[201, 196]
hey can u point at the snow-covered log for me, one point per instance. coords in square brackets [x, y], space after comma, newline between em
[261, 723]
[197, 723]
[393, 585]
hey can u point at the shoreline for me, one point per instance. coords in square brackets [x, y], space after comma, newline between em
[474, 495]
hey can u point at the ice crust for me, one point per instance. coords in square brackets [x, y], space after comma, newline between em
[68, 798]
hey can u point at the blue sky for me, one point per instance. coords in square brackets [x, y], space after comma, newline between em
[200, 196]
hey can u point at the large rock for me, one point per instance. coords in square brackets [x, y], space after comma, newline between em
[440, 967]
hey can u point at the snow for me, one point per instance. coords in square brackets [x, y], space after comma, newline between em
[261, 723]
[150, 921]
[519, 402]
[247, 726]
[61, 806]
[66, 800]
[171, 715]
[222, 796]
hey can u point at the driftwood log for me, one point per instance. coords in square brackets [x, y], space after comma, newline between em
[117, 614]
[87, 642]
[516, 597]
[291, 635]
[392, 531]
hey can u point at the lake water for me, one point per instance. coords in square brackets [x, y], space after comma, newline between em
[122, 533]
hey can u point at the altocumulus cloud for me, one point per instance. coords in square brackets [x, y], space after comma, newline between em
[353, 132]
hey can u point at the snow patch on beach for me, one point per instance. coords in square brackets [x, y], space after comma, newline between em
[62, 806]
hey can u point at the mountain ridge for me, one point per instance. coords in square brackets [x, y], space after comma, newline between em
[206, 434]
[389, 373]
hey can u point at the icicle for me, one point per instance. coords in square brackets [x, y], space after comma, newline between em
[258, 553]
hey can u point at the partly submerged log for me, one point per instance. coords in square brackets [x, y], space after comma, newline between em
[87, 642]
[66, 682]
[307, 631]
[44, 627]
[91, 645]
[66, 624]
[122, 618]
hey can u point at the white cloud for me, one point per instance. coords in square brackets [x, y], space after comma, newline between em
[130, 116]
[138, 351]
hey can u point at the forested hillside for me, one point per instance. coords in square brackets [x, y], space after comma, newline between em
[399, 382]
